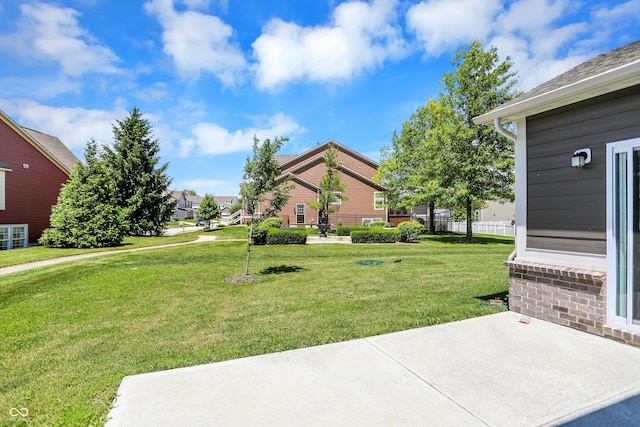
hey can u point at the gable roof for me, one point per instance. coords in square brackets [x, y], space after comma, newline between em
[608, 72]
[55, 147]
[5, 166]
[343, 168]
[288, 159]
[50, 146]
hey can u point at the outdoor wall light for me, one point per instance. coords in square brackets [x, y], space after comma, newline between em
[581, 157]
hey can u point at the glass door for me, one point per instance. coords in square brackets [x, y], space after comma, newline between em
[624, 239]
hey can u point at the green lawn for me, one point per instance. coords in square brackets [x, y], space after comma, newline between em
[69, 333]
[38, 253]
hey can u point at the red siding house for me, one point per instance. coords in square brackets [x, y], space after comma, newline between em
[33, 168]
[366, 197]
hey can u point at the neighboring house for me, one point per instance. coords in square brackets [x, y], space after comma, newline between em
[494, 211]
[187, 206]
[366, 197]
[577, 258]
[33, 168]
[226, 203]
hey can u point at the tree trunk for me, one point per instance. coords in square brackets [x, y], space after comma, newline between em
[469, 237]
[432, 218]
[246, 266]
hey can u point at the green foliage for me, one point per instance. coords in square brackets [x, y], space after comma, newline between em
[409, 231]
[235, 208]
[260, 178]
[330, 184]
[277, 236]
[189, 192]
[209, 208]
[141, 185]
[441, 157]
[380, 223]
[86, 215]
[260, 231]
[375, 235]
[345, 230]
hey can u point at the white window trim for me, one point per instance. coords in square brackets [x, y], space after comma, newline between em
[10, 235]
[376, 198]
[2, 191]
[612, 318]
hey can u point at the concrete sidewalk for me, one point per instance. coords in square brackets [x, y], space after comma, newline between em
[492, 370]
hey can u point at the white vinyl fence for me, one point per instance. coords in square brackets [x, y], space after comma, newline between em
[502, 228]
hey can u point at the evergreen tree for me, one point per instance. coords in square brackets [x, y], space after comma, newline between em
[86, 214]
[141, 185]
[209, 209]
[331, 190]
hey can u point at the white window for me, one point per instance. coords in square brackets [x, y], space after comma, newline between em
[338, 200]
[378, 201]
[367, 221]
[13, 236]
[2, 206]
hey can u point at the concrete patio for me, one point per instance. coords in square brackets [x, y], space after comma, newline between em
[493, 370]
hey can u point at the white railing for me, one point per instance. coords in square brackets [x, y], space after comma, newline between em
[234, 218]
[502, 228]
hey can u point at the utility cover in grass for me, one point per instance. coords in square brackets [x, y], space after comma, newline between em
[369, 262]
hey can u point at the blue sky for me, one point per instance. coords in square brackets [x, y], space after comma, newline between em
[209, 74]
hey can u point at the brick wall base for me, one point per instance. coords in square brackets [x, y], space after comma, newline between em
[565, 296]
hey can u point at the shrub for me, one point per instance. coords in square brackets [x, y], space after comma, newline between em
[259, 236]
[380, 223]
[375, 235]
[277, 236]
[409, 231]
[345, 230]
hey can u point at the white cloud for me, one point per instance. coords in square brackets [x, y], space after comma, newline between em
[361, 36]
[73, 126]
[443, 25]
[536, 34]
[198, 42]
[47, 32]
[212, 139]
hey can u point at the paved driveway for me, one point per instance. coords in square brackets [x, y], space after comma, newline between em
[492, 370]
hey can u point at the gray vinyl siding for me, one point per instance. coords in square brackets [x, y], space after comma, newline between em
[566, 207]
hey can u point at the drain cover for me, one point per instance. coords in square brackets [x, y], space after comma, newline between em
[369, 262]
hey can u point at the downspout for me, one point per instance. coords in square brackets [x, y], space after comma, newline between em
[497, 123]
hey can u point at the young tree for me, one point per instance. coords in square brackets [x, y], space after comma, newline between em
[260, 179]
[86, 215]
[476, 161]
[331, 190]
[209, 209]
[141, 185]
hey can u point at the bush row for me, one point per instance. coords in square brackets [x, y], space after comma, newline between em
[345, 230]
[277, 236]
[375, 235]
[259, 236]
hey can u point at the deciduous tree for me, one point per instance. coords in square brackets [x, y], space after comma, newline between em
[260, 179]
[209, 209]
[331, 190]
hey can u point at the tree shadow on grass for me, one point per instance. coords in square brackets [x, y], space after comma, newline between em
[282, 269]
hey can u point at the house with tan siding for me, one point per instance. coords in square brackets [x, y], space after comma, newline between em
[33, 168]
[365, 197]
